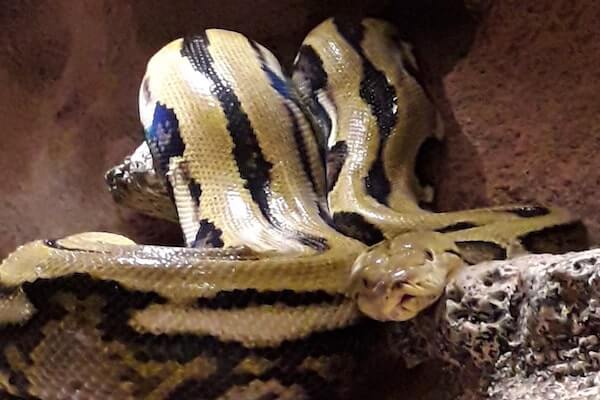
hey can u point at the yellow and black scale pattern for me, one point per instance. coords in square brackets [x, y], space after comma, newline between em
[280, 186]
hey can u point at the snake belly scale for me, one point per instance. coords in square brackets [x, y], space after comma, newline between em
[299, 205]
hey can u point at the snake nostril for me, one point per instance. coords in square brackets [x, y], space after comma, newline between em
[429, 255]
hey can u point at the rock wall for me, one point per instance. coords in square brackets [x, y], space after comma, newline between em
[522, 110]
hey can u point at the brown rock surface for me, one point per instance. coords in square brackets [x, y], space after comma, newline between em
[520, 104]
[522, 108]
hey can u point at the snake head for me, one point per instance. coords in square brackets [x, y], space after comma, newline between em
[135, 184]
[396, 279]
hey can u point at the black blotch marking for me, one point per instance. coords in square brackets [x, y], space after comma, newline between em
[459, 226]
[6, 290]
[336, 157]
[252, 165]
[476, 251]
[557, 239]
[310, 65]
[284, 89]
[315, 386]
[351, 29]
[314, 242]
[163, 138]
[278, 83]
[195, 191]
[237, 299]
[376, 182]
[530, 211]
[54, 243]
[199, 388]
[425, 164]
[27, 337]
[208, 235]
[326, 216]
[350, 343]
[347, 343]
[381, 98]
[302, 150]
[355, 226]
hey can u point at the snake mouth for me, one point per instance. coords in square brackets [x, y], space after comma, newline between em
[397, 302]
[405, 298]
[411, 305]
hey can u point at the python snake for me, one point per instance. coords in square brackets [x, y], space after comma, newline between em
[300, 208]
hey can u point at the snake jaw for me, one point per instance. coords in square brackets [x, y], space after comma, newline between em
[395, 281]
[396, 301]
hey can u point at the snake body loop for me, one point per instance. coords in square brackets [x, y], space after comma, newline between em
[300, 208]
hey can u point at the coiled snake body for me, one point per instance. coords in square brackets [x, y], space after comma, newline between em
[299, 205]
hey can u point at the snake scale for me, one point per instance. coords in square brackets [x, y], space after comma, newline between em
[303, 223]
